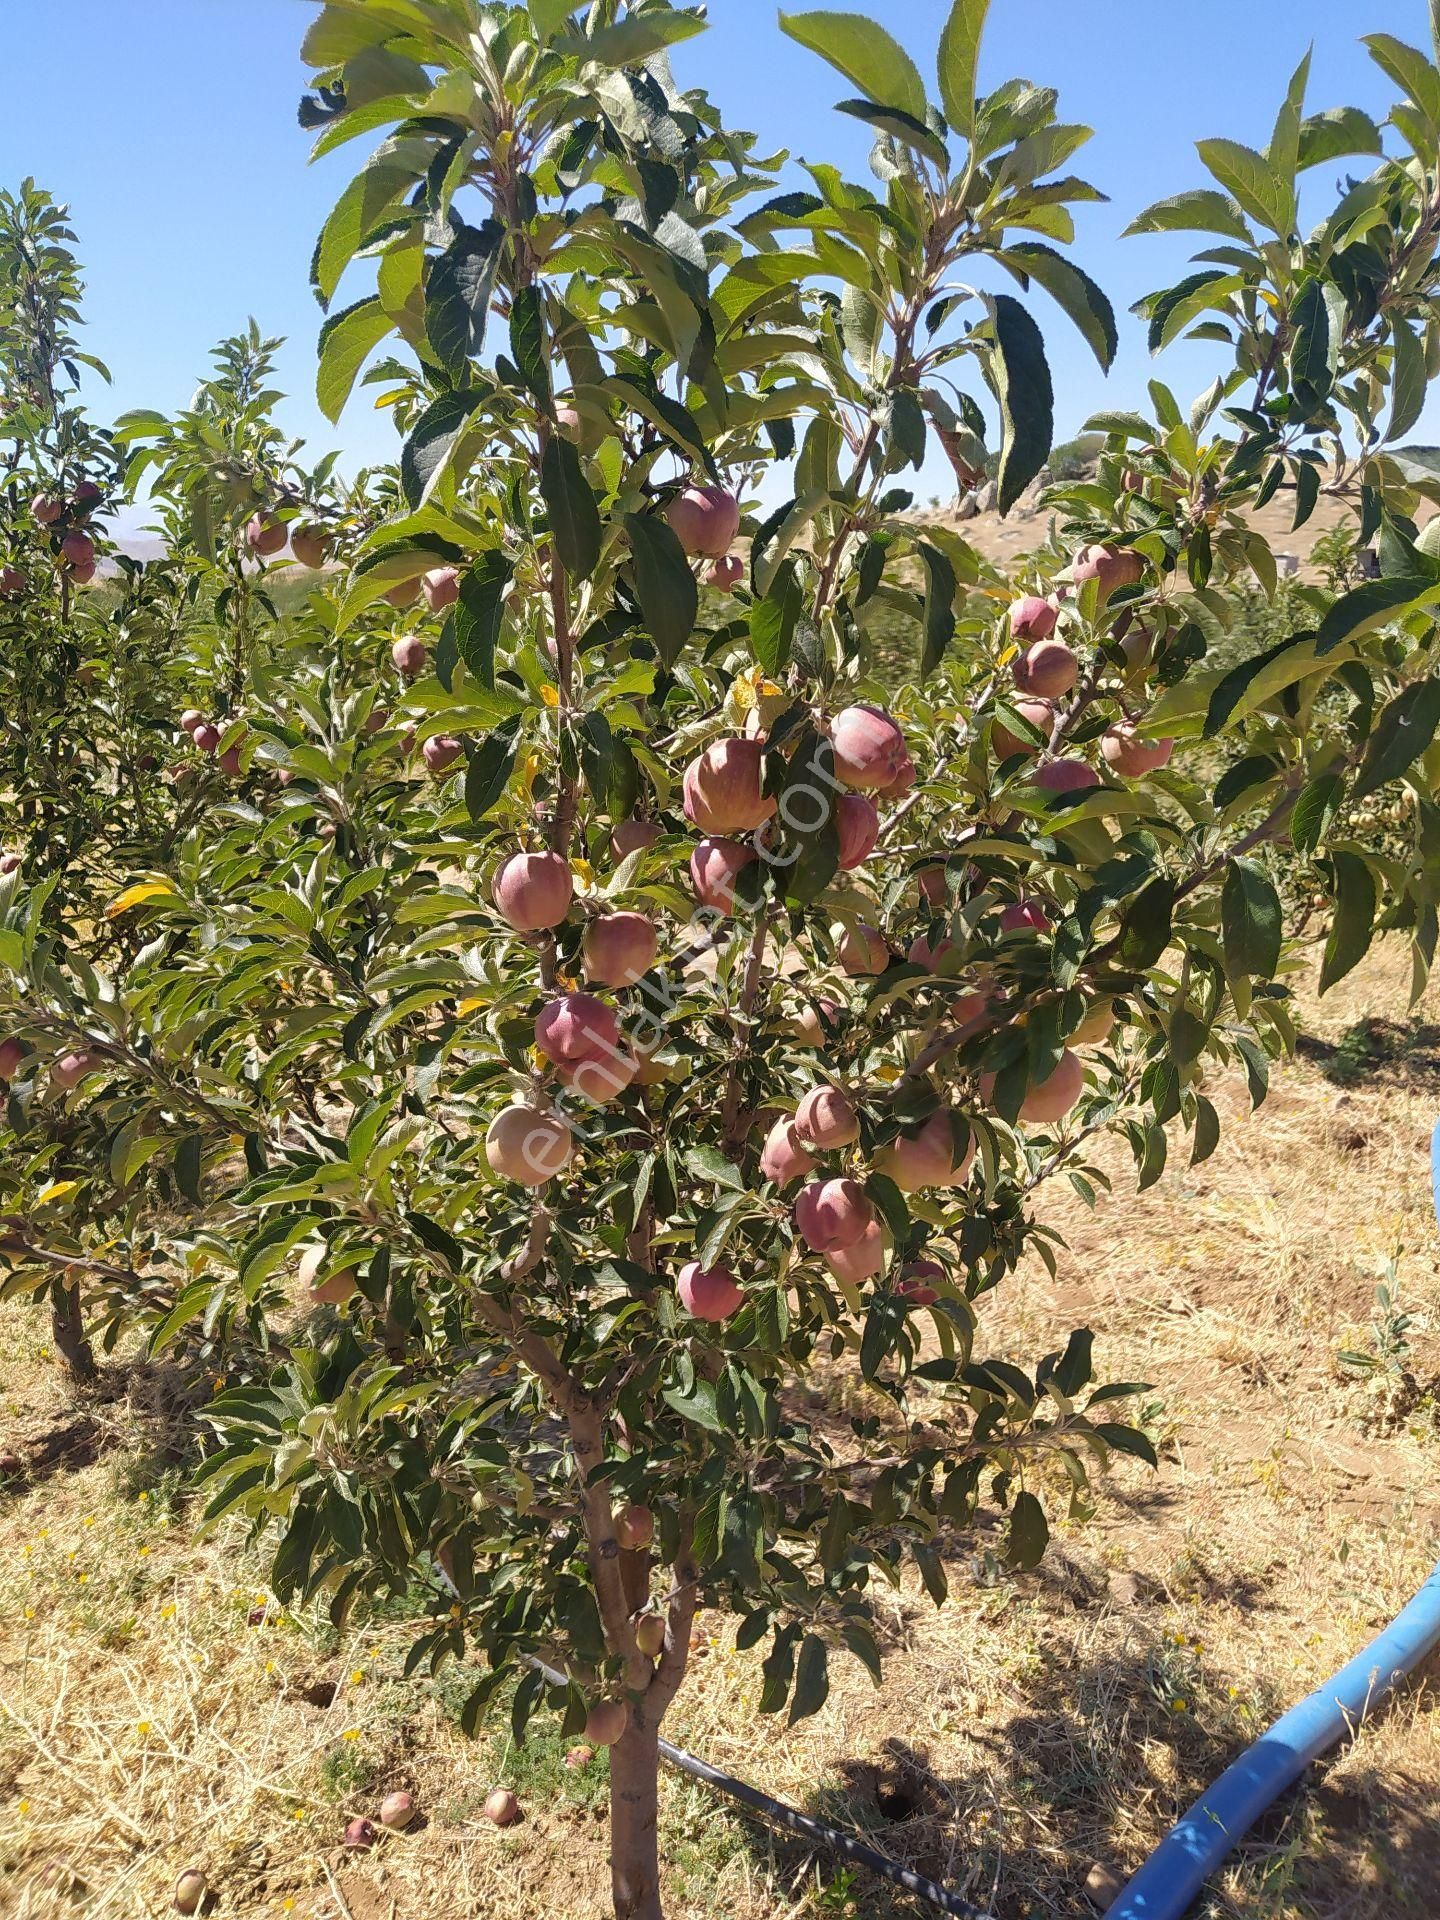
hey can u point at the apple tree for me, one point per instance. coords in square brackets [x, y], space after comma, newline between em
[610, 1017]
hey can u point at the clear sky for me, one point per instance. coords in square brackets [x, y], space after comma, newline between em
[169, 127]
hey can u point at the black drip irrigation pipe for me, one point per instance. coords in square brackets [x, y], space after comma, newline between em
[805, 1825]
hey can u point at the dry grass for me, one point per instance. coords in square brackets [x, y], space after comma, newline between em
[156, 1710]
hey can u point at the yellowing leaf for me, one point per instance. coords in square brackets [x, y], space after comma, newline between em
[57, 1190]
[551, 696]
[472, 1005]
[136, 895]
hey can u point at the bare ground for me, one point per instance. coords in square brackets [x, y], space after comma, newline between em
[158, 1709]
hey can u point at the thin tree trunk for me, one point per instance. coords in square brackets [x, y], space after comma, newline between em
[68, 1331]
[634, 1821]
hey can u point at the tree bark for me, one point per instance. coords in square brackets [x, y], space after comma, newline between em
[67, 1328]
[634, 1820]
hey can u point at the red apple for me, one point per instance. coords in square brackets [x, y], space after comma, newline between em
[706, 1293]
[858, 824]
[442, 750]
[650, 1635]
[360, 1834]
[11, 862]
[1066, 776]
[832, 1214]
[441, 588]
[726, 575]
[1032, 618]
[784, 1158]
[190, 720]
[631, 836]
[724, 788]
[87, 496]
[635, 1528]
[705, 520]
[826, 1119]
[1041, 716]
[533, 890]
[397, 1810]
[926, 1158]
[619, 949]
[230, 762]
[579, 1757]
[922, 954]
[1132, 756]
[71, 1068]
[12, 582]
[870, 750]
[12, 1056]
[309, 544]
[529, 1145]
[410, 657]
[190, 1891]
[599, 1078]
[715, 866]
[606, 1722]
[1025, 916]
[502, 1809]
[1048, 669]
[577, 1026]
[861, 1260]
[206, 737]
[77, 550]
[863, 952]
[264, 534]
[1112, 567]
[914, 1287]
[47, 509]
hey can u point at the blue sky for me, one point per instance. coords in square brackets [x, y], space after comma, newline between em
[169, 126]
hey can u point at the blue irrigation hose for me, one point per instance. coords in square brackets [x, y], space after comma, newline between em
[1191, 1851]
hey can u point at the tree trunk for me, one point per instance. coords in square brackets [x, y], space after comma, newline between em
[634, 1821]
[68, 1331]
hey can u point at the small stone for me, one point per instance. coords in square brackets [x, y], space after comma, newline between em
[1103, 1886]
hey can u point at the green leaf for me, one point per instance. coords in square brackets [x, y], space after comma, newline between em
[1174, 309]
[347, 340]
[458, 290]
[1372, 605]
[1354, 923]
[810, 818]
[1334, 134]
[1405, 729]
[1021, 376]
[1085, 302]
[390, 173]
[664, 585]
[939, 615]
[1232, 687]
[899, 125]
[812, 1678]
[571, 505]
[488, 772]
[772, 620]
[527, 341]
[1252, 921]
[1317, 320]
[712, 1165]
[1145, 929]
[697, 1406]
[1029, 1532]
[479, 611]
[550, 16]
[1408, 378]
[1317, 806]
[635, 39]
[1253, 182]
[1409, 69]
[433, 439]
[959, 62]
[869, 57]
[1202, 210]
